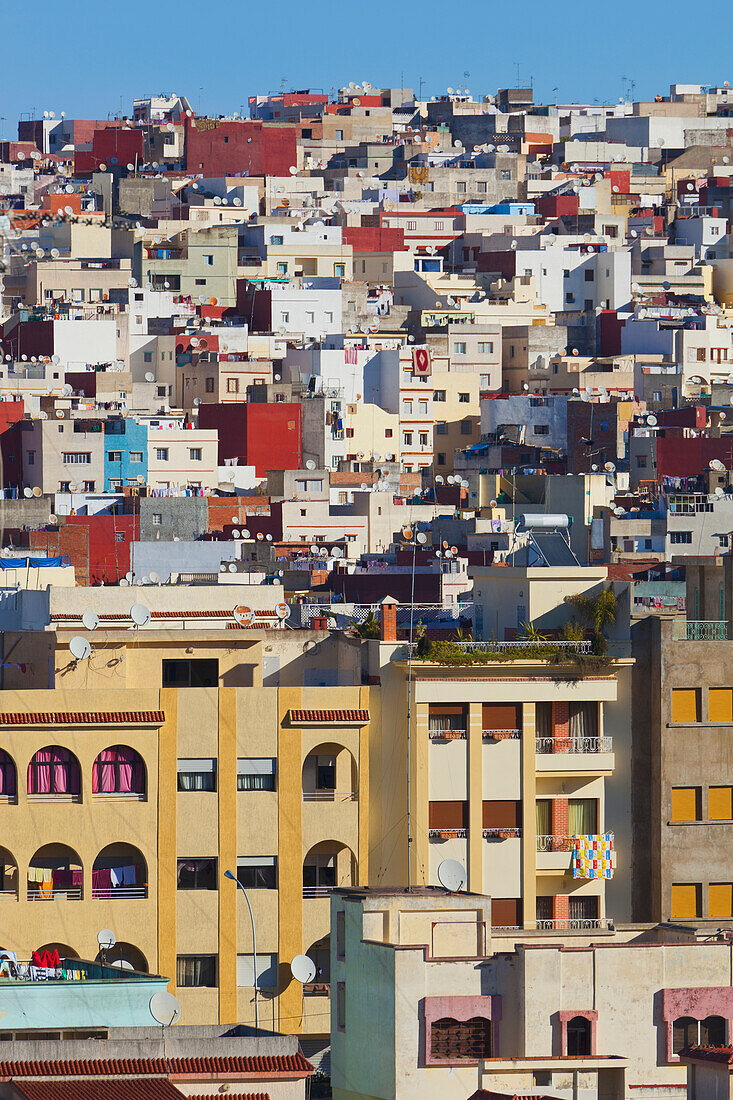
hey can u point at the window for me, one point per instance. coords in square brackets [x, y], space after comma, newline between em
[157, 519]
[459, 347]
[265, 974]
[89, 486]
[460, 1040]
[148, 356]
[686, 705]
[589, 275]
[481, 187]
[408, 439]
[136, 456]
[195, 970]
[114, 456]
[687, 1032]
[193, 672]
[161, 454]
[441, 428]
[720, 803]
[641, 462]
[423, 438]
[439, 395]
[54, 770]
[339, 270]
[282, 268]
[341, 1006]
[257, 872]
[200, 282]
[464, 398]
[578, 1037]
[686, 803]
[411, 226]
[680, 537]
[461, 187]
[31, 458]
[441, 458]
[285, 318]
[486, 347]
[583, 816]
[78, 458]
[119, 535]
[686, 900]
[341, 935]
[466, 427]
[256, 773]
[209, 260]
[720, 704]
[339, 135]
[232, 385]
[197, 874]
[196, 775]
[720, 899]
[194, 454]
[160, 391]
[387, 433]
[541, 429]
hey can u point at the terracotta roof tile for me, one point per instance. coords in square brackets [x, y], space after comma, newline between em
[83, 718]
[722, 1055]
[328, 716]
[163, 1067]
[145, 1088]
[231, 1096]
[186, 613]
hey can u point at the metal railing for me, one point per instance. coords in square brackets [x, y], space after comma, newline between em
[318, 891]
[8, 895]
[502, 832]
[71, 893]
[702, 630]
[558, 842]
[447, 734]
[501, 735]
[447, 833]
[330, 796]
[565, 924]
[119, 893]
[560, 745]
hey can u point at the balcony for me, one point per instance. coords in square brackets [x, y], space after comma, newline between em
[566, 924]
[574, 754]
[702, 630]
[573, 744]
[501, 735]
[500, 832]
[447, 834]
[555, 843]
[447, 735]
[330, 796]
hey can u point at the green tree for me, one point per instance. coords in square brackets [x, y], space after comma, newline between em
[598, 612]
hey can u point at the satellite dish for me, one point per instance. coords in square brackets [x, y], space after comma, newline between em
[90, 621]
[609, 467]
[651, 420]
[149, 376]
[451, 875]
[244, 615]
[80, 647]
[282, 610]
[719, 491]
[165, 1008]
[245, 532]
[37, 491]
[303, 969]
[154, 578]
[139, 613]
[232, 568]
[66, 390]
[106, 939]
[140, 479]
[235, 533]
[310, 464]
[52, 518]
[421, 537]
[27, 492]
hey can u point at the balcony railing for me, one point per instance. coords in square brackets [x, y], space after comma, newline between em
[318, 891]
[702, 630]
[501, 832]
[71, 893]
[447, 834]
[447, 734]
[573, 744]
[501, 735]
[8, 895]
[330, 796]
[564, 924]
[119, 893]
[558, 842]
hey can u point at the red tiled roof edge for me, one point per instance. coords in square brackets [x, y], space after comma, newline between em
[722, 1055]
[83, 718]
[146, 1067]
[328, 716]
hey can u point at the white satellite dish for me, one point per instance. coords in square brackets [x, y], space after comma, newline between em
[245, 532]
[149, 376]
[165, 1008]
[303, 969]
[310, 464]
[52, 518]
[66, 390]
[79, 647]
[451, 875]
[90, 620]
[235, 533]
[106, 939]
[139, 613]
[652, 420]
[197, 401]
[154, 578]
[719, 491]
[140, 479]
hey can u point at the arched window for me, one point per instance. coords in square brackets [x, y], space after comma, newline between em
[54, 770]
[712, 1032]
[461, 1040]
[8, 781]
[579, 1037]
[118, 770]
[684, 1033]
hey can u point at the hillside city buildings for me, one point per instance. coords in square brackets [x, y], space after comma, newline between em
[366, 507]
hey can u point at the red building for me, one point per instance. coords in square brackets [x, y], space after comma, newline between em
[235, 148]
[111, 146]
[97, 546]
[11, 451]
[267, 437]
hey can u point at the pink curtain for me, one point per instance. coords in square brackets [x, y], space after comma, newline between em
[39, 773]
[103, 773]
[7, 774]
[126, 758]
[53, 770]
[118, 770]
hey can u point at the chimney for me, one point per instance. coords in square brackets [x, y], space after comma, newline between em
[388, 619]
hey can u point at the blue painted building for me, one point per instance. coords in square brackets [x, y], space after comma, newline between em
[125, 452]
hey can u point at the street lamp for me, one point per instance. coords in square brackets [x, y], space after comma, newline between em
[233, 877]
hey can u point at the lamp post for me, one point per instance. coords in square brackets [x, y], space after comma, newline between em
[233, 877]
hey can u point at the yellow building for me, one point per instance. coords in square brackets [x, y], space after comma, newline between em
[163, 760]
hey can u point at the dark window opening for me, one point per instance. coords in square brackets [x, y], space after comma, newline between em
[461, 1040]
[197, 874]
[203, 672]
[579, 1037]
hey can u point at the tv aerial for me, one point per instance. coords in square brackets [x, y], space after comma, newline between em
[451, 875]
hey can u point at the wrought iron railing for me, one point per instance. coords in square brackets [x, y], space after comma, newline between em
[564, 924]
[573, 744]
[501, 735]
[702, 630]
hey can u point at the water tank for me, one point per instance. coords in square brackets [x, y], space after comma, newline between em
[539, 519]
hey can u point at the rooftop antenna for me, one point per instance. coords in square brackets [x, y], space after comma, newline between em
[451, 875]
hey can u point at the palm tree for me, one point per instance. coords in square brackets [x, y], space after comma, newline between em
[598, 612]
[369, 628]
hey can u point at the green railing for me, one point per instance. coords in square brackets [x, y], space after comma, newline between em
[702, 630]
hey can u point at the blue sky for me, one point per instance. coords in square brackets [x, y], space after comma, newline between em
[88, 59]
